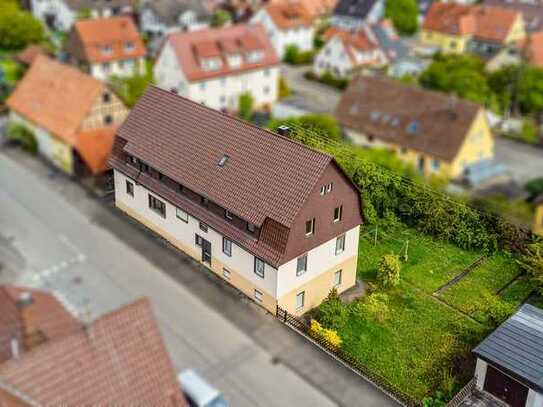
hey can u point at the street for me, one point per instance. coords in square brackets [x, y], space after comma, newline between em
[54, 236]
[523, 161]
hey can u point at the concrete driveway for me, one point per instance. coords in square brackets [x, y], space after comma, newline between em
[525, 162]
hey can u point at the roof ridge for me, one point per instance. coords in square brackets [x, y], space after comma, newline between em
[244, 122]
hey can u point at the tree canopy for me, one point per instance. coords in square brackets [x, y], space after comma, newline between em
[404, 15]
[220, 17]
[18, 28]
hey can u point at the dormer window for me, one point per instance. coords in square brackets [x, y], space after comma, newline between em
[234, 60]
[211, 64]
[255, 56]
[106, 49]
[129, 46]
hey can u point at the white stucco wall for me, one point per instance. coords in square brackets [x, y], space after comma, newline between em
[218, 92]
[333, 57]
[302, 37]
[535, 399]
[64, 16]
[150, 23]
[319, 260]
[123, 68]
[480, 372]
[241, 261]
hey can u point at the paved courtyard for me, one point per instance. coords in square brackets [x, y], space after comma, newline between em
[53, 235]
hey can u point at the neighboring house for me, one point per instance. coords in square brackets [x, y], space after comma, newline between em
[31, 318]
[357, 13]
[215, 66]
[532, 11]
[346, 51]
[72, 115]
[457, 28]
[510, 360]
[315, 8]
[275, 219]
[29, 53]
[538, 217]
[62, 14]
[529, 50]
[107, 47]
[436, 133]
[161, 17]
[286, 24]
[119, 359]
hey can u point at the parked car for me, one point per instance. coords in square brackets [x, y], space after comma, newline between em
[199, 392]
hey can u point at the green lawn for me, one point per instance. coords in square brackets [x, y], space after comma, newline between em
[425, 345]
[430, 263]
[494, 274]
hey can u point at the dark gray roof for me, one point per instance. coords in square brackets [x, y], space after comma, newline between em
[355, 8]
[168, 11]
[517, 346]
[389, 42]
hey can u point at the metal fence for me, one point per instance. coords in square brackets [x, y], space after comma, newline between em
[347, 360]
[462, 394]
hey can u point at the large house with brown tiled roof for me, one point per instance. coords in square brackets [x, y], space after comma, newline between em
[72, 115]
[117, 360]
[457, 28]
[107, 47]
[287, 23]
[275, 219]
[215, 66]
[30, 318]
[436, 133]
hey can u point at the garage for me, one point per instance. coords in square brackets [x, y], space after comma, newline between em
[505, 388]
[510, 360]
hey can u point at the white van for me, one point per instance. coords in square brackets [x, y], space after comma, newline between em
[198, 392]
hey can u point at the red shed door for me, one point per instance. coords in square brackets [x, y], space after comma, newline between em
[505, 388]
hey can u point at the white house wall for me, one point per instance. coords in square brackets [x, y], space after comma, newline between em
[241, 261]
[126, 68]
[333, 57]
[320, 260]
[167, 72]
[64, 16]
[535, 399]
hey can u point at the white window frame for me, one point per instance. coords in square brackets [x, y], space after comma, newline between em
[130, 188]
[181, 215]
[227, 246]
[226, 273]
[312, 232]
[300, 304]
[258, 295]
[301, 260]
[259, 267]
[338, 281]
[340, 213]
[341, 247]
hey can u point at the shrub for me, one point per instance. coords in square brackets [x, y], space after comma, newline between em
[332, 313]
[438, 400]
[284, 90]
[388, 271]
[220, 17]
[23, 136]
[532, 262]
[375, 306]
[534, 187]
[330, 336]
[294, 56]
[528, 132]
[245, 106]
[496, 309]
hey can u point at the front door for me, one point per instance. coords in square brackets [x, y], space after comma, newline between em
[206, 252]
[505, 388]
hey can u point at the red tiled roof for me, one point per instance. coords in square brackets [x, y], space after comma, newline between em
[315, 8]
[408, 116]
[191, 47]
[288, 15]
[27, 55]
[484, 22]
[120, 359]
[44, 319]
[114, 32]
[94, 146]
[533, 48]
[56, 97]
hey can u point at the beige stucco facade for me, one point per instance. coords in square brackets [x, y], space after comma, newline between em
[278, 286]
[538, 219]
[446, 43]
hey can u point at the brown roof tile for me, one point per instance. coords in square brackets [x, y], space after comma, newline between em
[191, 47]
[426, 121]
[266, 176]
[114, 32]
[120, 359]
[44, 319]
[48, 93]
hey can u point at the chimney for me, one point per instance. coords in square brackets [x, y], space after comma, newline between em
[32, 336]
[25, 299]
[453, 114]
[283, 130]
[14, 348]
[174, 90]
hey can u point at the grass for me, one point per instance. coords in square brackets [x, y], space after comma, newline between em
[424, 344]
[469, 294]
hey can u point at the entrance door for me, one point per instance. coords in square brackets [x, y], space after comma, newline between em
[206, 252]
[505, 388]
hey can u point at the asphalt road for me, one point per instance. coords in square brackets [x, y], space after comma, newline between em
[54, 236]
